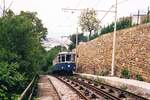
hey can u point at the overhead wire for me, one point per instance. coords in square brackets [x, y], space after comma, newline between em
[77, 4]
[111, 8]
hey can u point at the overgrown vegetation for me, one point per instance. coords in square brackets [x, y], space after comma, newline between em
[89, 22]
[124, 23]
[81, 38]
[125, 73]
[21, 53]
[139, 77]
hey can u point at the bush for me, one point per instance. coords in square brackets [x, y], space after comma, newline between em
[125, 73]
[139, 77]
[104, 72]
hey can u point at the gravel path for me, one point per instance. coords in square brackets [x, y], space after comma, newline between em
[64, 91]
[45, 89]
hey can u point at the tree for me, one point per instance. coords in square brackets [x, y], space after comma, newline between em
[52, 54]
[81, 38]
[21, 53]
[88, 21]
[122, 24]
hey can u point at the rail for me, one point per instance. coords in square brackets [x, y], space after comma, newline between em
[27, 94]
[73, 88]
[123, 92]
[55, 89]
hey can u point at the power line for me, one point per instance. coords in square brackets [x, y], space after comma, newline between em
[69, 9]
[111, 8]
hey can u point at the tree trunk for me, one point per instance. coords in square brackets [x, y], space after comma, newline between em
[89, 38]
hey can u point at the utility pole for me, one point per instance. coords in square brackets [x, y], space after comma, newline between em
[76, 49]
[114, 35]
[148, 12]
[114, 42]
[138, 16]
[77, 37]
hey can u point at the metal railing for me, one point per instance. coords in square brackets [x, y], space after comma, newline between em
[27, 94]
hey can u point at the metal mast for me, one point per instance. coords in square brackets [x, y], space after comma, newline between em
[76, 49]
[114, 42]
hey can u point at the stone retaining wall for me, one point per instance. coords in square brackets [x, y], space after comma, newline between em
[132, 52]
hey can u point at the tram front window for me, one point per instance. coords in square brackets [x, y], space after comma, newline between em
[62, 58]
[59, 58]
[68, 57]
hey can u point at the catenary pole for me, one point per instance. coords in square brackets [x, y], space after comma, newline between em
[76, 49]
[114, 42]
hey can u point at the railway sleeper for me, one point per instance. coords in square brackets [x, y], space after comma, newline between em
[90, 94]
[81, 88]
[93, 96]
[68, 80]
[111, 91]
[95, 84]
[72, 82]
[102, 87]
[122, 95]
[76, 85]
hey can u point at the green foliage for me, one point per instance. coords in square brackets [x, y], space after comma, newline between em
[94, 36]
[125, 73]
[52, 54]
[139, 77]
[10, 78]
[146, 20]
[125, 23]
[88, 21]
[21, 53]
[81, 38]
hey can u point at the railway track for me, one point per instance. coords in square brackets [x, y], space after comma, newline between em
[89, 90]
[83, 91]
[117, 93]
[58, 96]
[74, 88]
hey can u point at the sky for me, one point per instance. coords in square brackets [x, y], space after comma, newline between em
[63, 23]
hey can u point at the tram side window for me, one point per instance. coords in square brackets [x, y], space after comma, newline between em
[62, 58]
[68, 57]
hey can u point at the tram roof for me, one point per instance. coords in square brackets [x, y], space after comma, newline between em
[66, 53]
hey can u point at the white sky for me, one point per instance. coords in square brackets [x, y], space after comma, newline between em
[60, 23]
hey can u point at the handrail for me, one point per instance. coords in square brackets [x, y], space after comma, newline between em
[28, 87]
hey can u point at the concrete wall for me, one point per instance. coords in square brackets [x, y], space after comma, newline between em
[132, 52]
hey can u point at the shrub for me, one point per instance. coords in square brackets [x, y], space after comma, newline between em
[139, 77]
[125, 73]
[104, 72]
